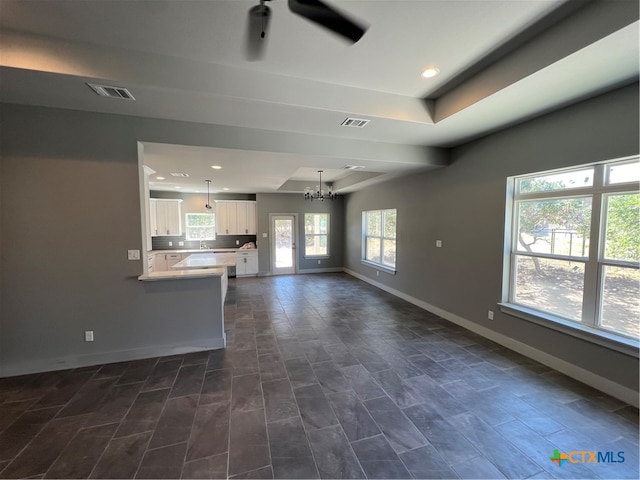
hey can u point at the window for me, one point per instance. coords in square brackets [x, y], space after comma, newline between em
[201, 226]
[379, 238]
[575, 247]
[316, 234]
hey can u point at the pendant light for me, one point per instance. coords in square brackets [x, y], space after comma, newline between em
[319, 195]
[208, 204]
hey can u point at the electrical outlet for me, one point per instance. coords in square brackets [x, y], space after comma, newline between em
[490, 315]
[237, 242]
[264, 235]
[377, 273]
[88, 335]
[318, 262]
[438, 243]
[133, 254]
[181, 244]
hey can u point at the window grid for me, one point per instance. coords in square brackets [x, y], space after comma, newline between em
[316, 234]
[379, 238]
[200, 226]
[595, 264]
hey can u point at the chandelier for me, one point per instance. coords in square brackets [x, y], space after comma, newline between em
[319, 195]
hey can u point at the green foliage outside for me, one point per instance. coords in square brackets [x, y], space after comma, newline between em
[623, 227]
[537, 218]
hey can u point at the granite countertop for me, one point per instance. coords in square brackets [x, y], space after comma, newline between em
[183, 274]
[206, 261]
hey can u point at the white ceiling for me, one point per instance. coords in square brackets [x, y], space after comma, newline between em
[501, 62]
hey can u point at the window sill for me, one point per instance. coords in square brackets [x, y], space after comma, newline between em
[378, 266]
[603, 338]
[316, 257]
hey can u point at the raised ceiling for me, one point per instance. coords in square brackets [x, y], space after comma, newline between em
[501, 62]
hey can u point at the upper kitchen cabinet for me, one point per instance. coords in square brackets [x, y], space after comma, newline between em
[166, 217]
[235, 218]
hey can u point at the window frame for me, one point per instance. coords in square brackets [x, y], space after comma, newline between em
[590, 326]
[328, 254]
[381, 237]
[187, 227]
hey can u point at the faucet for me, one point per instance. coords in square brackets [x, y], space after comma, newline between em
[203, 245]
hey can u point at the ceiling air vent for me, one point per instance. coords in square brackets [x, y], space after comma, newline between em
[111, 92]
[353, 167]
[179, 174]
[354, 122]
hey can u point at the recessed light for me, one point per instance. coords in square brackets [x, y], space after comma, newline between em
[177, 187]
[225, 188]
[430, 72]
[159, 178]
[216, 167]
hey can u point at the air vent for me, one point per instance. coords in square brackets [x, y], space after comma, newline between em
[179, 174]
[355, 122]
[353, 167]
[111, 92]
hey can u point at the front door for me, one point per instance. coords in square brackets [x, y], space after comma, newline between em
[283, 244]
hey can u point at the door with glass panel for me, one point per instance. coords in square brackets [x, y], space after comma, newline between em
[283, 244]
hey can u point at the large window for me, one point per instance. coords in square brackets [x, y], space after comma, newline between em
[201, 226]
[379, 238]
[575, 247]
[316, 234]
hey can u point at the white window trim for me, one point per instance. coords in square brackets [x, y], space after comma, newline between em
[328, 254]
[589, 331]
[363, 259]
[187, 227]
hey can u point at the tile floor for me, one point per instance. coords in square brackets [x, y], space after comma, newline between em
[324, 377]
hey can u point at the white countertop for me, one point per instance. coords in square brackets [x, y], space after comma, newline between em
[194, 250]
[207, 260]
[181, 274]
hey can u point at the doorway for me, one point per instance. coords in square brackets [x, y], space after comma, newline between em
[283, 244]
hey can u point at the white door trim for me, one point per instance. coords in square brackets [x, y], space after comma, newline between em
[294, 269]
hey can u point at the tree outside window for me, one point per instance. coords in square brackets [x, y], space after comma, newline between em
[379, 237]
[316, 234]
[575, 246]
[201, 226]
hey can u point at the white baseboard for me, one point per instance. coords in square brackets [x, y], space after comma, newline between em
[603, 384]
[321, 270]
[75, 361]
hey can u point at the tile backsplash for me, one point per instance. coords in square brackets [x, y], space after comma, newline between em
[222, 241]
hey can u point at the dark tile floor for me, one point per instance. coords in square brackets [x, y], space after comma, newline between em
[324, 377]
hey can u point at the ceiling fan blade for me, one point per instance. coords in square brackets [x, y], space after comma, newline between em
[256, 32]
[319, 12]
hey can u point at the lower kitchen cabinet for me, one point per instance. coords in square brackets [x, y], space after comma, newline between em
[246, 263]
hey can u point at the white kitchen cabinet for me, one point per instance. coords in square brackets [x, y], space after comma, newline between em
[172, 259]
[246, 218]
[166, 217]
[246, 263]
[159, 262]
[235, 218]
[226, 218]
[150, 263]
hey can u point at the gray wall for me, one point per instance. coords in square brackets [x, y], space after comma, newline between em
[464, 206]
[295, 203]
[70, 211]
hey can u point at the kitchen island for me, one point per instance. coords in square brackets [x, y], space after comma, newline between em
[206, 260]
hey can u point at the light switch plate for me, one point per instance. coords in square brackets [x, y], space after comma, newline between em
[88, 336]
[438, 243]
[264, 235]
[133, 254]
